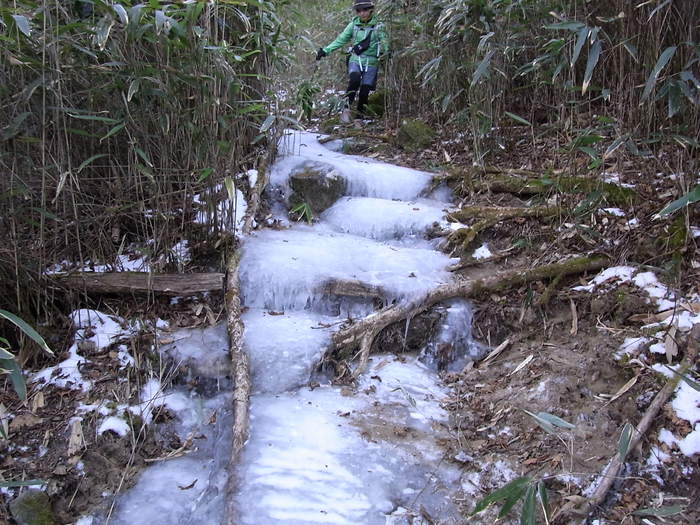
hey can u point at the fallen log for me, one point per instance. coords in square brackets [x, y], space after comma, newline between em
[240, 371]
[361, 334]
[142, 282]
[355, 133]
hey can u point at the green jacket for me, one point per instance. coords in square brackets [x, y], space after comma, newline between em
[354, 33]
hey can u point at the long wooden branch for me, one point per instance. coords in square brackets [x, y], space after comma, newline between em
[241, 376]
[362, 333]
[142, 282]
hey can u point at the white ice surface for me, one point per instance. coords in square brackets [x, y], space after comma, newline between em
[162, 494]
[283, 349]
[307, 462]
[202, 351]
[365, 177]
[382, 218]
[282, 269]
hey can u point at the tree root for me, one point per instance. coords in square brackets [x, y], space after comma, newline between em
[355, 133]
[490, 216]
[611, 470]
[362, 333]
[241, 376]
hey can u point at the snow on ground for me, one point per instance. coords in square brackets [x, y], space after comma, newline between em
[482, 252]
[93, 328]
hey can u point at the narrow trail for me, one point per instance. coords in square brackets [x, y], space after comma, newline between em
[317, 452]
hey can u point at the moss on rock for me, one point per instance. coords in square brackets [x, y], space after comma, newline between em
[415, 135]
[32, 507]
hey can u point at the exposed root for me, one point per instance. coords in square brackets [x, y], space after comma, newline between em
[362, 333]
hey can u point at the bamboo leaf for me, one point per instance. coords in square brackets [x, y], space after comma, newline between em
[230, 188]
[632, 50]
[593, 56]
[506, 492]
[22, 24]
[619, 141]
[623, 443]
[529, 506]
[89, 160]
[688, 76]
[102, 31]
[555, 420]
[580, 41]
[97, 118]
[13, 129]
[116, 129]
[544, 499]
[689, 198]
[482, 68]
[28, 330]
[544, 424]
[660, 512]
[517, 118]
[26, 483]
[143, 156]
[267, 124]
[569, 26]
[121, 13]
[133, 89]
[16, 377]
[664, 59]
[5, 354]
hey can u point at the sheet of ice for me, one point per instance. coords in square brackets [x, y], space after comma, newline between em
[203, 351]
[384, 219]
[187, 490]
[453, 344]
[284, 349]
[306, 460]
[282, 270]
[365, 177]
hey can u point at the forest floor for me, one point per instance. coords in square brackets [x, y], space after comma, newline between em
[562, 347]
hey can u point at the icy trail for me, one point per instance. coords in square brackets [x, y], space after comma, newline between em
[319, 453]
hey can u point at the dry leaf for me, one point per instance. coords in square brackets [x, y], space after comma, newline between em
[76, 441]
[187, 487]
[629, 384]
[24, 420]
[38, 401]
[496, 351]
[671, 345]
[574, 318]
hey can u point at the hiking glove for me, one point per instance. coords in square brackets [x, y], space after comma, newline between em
[321, 53]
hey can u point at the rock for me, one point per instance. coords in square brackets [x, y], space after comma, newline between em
[32, 507]
[317, 185]
[414, 135]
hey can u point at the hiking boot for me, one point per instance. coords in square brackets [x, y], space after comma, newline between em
[346, 116]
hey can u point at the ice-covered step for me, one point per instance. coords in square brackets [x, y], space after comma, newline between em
[283, 270]
[385, 219]
[284, 347]
[329, 456]
[188, 489]
[364, 176]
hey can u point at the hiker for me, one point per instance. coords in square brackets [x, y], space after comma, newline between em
[368, 44]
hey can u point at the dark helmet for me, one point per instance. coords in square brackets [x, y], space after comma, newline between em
[363, 4]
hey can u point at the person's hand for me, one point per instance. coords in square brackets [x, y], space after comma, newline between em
[321, 53]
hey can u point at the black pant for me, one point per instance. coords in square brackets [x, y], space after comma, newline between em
[353, 85]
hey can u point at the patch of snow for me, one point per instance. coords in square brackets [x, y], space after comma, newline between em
[690, 444]
[482, 252]
[65, 374]
[617, 212]
[687, 403]
[667, 437]
[252, 177]
[617, 273]
[656, 457]
[85, 520]
[115, 424]
[630, 346]
[695, 231]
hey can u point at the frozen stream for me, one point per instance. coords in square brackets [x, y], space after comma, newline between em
[318, 453]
